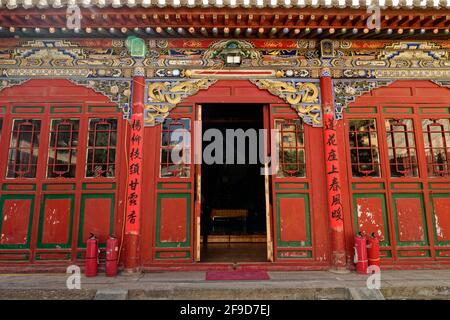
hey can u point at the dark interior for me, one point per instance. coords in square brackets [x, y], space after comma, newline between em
[233, 186]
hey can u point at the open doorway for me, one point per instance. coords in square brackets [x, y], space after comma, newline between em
[233, 219]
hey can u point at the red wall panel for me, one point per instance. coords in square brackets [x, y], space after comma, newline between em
[292, 219]
[56, 222]
[409, 219]
[97, 212]
[442, 218]
[173, 220]
[370, 216]
[16, 218]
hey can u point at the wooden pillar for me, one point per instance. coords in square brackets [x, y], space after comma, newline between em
[333, 172]
[134, 176]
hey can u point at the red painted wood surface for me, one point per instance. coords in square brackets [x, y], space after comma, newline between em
[409, 219]
[292, 219]
[370, 217]
[16, 217]
[173, 220]
[311, 189]
[234, 91]
[426, 99]
[57, 217]
[412, 237]
[442, 218]
[48, 242]
[97, 218]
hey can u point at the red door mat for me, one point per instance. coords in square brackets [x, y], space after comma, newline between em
[237, 275]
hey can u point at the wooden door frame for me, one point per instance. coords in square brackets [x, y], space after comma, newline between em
[229, 92]
[197, 189]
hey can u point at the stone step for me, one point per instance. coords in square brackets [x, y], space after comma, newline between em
[111, 294]
[365, 294]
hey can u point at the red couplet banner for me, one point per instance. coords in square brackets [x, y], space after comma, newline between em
[332, 166]
[134, 174]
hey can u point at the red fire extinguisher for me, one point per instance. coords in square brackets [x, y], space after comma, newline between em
[112, 252]
[373, 250]
[91, 256]
[360, 254]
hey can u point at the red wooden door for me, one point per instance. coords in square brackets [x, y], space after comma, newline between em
[59, 172]
[175, 188]
[299, 216]
[398, 151]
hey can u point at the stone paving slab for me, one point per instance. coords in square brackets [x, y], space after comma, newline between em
[419, 284]
[111, 294]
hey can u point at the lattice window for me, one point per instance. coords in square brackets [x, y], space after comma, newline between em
[175, 148]
[436, 136]
[101, 149]
[62, 149]
[291, 148]
[364, 153]
[401, 148]
[23, 148]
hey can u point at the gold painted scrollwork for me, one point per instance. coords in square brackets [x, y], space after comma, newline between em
[302, 96]
[163, 96]
[314, 112]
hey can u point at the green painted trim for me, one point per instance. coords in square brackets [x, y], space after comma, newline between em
[430, 185]
[293, 244]
[46, 185]
[408, 110]
[382, 196]
[111, 196]
[433, 114]
[113, 185]
[103, 107]
[41, 222]
[160, 186]
[186, 256]
[438, 254]
[2, 110]
[419, 185]
[380, 185]
[14, 109]
[38, 256]
[53, 108]
[388, 254]
[281, 110]
[30, 218]
[433, 217]
[308, 255]
[305, 186]
[371, 110]
[5, 187]
[427, 255]
[185, 244]
[424, 220]
[26, 257]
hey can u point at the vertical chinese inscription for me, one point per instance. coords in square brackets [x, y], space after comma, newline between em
[134, 173]
[332, 167]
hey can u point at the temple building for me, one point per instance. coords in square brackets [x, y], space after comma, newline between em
[348, 100]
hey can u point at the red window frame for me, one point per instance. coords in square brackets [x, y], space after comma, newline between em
[94, 172]
[433, 168]
[408, 166]
[374, 163]
[16, 149]
[300, 164]
[182, 171]
[71, 147]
